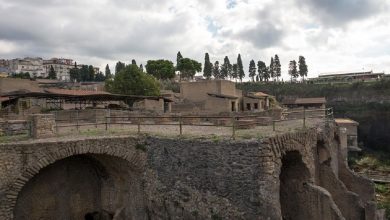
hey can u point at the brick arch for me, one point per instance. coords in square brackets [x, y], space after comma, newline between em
[303, 142]
[125, 150]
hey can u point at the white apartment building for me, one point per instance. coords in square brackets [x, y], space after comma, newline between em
[31, 65]
[61, 67]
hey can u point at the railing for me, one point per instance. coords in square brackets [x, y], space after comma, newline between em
[234, 122]
[231, 124]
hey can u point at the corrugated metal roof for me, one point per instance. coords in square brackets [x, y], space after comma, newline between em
[319, 100]
[74, 92]
[345, 121]
[222, 96]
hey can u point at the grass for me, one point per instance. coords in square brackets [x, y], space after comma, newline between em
[383, 197]
[8, 139]
[375, 161]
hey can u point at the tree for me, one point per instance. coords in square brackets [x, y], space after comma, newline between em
[74, 74]
[99, 77]
[257, 78]
[178, 58]
[107, 72]
[252, 70]
[141, 67]
[188, 67]
[271, 68]
[91, 73]
[132, 81]
[226, 68]
[52, 73]
[133, 62]
[235, 71]
[302, 67]
[267, 74]
[277, 67]
[160, 69]
[208, 67]
[292, 70]
[262, 70]
[119, 66]
[216, 70]
[240, 68]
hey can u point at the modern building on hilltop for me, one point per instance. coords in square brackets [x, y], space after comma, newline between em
[346, 77]
[31, 65]
[61, 66]
[37, 67]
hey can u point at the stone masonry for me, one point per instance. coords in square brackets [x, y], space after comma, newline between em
[295, 176]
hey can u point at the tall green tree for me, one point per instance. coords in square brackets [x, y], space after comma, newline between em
[252, 70]
[241, 73]
[133, 62]
[160, 69]
[226, 68]
[141, 67]
[292, 70]
[302, 67]
[74, 75]
[52, 74]
[188, 68]
[132, 81]
[235, 71]
[119, 66]
[277, 67]
[267, 74]
[262, 70]
[99, 77]
[271, 68]
[178, 58]
[107, 72]
[208, 67]
[91, 73]
[216, 70]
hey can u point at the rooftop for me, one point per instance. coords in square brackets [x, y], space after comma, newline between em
[340, 121]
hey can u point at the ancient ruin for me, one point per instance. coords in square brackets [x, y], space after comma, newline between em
[297, 175]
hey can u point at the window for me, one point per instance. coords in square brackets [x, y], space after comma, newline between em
[256, 106]
[233, 106]
[248, 106]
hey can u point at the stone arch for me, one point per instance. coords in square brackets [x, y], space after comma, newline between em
[49, 155]
[294, 175]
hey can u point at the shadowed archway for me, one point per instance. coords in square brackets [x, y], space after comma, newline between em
[80, 186]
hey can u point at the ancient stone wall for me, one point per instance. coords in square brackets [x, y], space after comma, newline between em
[162, 178]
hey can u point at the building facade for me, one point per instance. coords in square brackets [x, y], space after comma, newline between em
[30, 65]
[61, 66]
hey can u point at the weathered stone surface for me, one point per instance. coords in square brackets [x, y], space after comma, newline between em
[162, 178]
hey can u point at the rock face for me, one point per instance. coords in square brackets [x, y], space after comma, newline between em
[292, 176]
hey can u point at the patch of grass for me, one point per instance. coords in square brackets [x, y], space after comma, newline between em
[370, 161]
[13, 138]
[140, 146]
[383, 197]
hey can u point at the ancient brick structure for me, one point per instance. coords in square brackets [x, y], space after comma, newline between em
[296, 176]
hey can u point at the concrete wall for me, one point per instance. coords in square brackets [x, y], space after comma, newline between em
[163, 178]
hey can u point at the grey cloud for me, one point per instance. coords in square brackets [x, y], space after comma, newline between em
[263, 35]
[73, 31]
[339, 12]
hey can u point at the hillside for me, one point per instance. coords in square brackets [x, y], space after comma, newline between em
[367, 103]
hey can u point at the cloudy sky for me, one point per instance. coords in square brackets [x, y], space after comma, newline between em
[333, 35]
